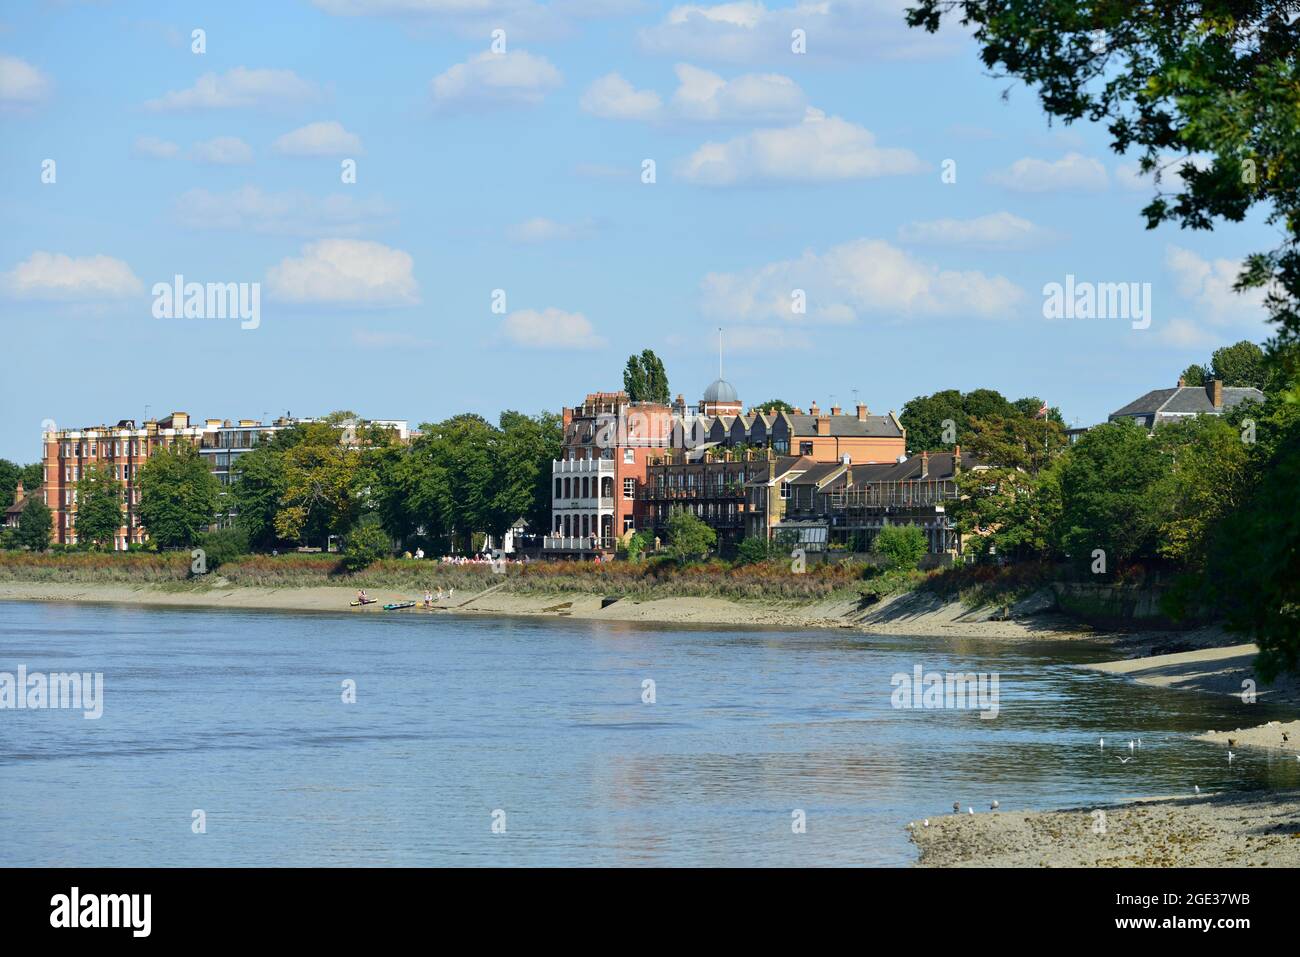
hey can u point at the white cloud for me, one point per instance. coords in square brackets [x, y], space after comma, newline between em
[550, 329]
[292, 213]
[239, 87]
[155, 148]
[61, 277]
[222, 151]
[1001, 230]
[346, 272]
[701, 96]
[749, 32]
[1185, 334]
[753, 97]
[1071, 172]
[862, 277]
[614, 98]
[1207, 285]
[513, 78]
[21, 84]
[819, 148]
[542, 230]
[319, 139]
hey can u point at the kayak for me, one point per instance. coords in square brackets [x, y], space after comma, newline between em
[399, 604]
[368, 601]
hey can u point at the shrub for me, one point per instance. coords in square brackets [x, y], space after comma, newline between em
[365, 545]
[223, 546]
[902, 546]
[751, 551]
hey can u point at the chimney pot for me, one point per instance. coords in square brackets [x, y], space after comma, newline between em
[836, 410]
[1182, 382]
[1215, 390]
[862, 412]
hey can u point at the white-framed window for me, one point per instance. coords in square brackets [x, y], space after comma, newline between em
[629, 456]
[627, 523]
[629, 488]
[785, 489]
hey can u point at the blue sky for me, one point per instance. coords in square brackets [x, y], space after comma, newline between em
[521, 170]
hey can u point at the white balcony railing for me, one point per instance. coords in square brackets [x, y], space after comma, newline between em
[583, 543]
[582, 466]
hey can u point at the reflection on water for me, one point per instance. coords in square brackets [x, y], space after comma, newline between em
[240, 714]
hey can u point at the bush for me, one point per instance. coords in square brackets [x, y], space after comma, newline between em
[224, 545]
[365, 545]
[751, 551]
[902, 546]
[638, 544]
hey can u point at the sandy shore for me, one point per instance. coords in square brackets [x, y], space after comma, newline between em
[1226, 830]
[910, 614]
[1225, 669]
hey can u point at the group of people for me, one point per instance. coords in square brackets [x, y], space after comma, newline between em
[430, 598]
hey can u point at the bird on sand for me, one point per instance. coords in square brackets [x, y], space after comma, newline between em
[970, 811]
[956, 807]
[926, 822]
[994, 806]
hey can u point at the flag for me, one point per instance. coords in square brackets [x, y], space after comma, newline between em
[1041, 412]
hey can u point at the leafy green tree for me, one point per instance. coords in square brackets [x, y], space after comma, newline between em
[366, 544]
[1172, 80]
[688, 536]
[778, 405]
[638, 544]
[259, 486]
[1109, 494]
[1240, 365]
[178, 496]
[35, 526]
[524, 450]
[32, 476]
[644, 378]
[1010, 510]
[903, 546]
[99, 507]
[1195, 375]
[324, 486]
[924, 419]
[1208, 476]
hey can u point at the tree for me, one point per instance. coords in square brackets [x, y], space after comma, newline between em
[1195, 375]
[644, 379]
[778, 405]
[1194, 88]
[1207, 479]
[259, 485]
[1241, 365]
[938, 422]
[35, 526]
[178, 496]
[688, 536]
[365, 545]
[902, 546]
[524, 450]
[324, 486]
[99, 507]
[11, 473]
[1109, 497]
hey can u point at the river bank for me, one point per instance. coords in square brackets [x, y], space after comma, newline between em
[1223, 830]
[913, 613]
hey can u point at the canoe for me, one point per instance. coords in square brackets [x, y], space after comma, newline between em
[399, 604]
[368, 601]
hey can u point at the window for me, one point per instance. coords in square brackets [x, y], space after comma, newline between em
[627, 523]
[629, 456]
[805, 448]
[785, 489]
[629, 488]
[559, 488]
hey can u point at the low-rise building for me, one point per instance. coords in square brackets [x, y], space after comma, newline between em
[1185, 401]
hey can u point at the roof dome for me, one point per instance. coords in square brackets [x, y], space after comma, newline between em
[721, 391]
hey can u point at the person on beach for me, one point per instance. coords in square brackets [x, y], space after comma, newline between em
[428, 598]
[361, 596]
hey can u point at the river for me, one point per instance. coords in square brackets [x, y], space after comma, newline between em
[226, 739]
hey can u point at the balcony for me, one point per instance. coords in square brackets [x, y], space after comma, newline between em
[583, 543]
[582, 467]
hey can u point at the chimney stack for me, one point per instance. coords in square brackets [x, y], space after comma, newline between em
[836, 410]
[862, 412]
[18, 493]
[1182, 382]
[813, 410]
[1214, 389]
[956, 460]
[925, 465]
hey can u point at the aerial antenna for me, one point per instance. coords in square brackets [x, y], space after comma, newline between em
[719, 352]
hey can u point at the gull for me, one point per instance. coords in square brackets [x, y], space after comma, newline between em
[970, 811]
[1125, 760]
[1139, 742]
[1198, 788]
[956, 808]
[1101, 742]
[994, 806]
[926, 822]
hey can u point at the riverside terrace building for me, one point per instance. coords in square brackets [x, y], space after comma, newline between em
[123, 448]
[1184, 402]
[797, 502]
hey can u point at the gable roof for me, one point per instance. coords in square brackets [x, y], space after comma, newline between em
[1185, 400]
[847, 426]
